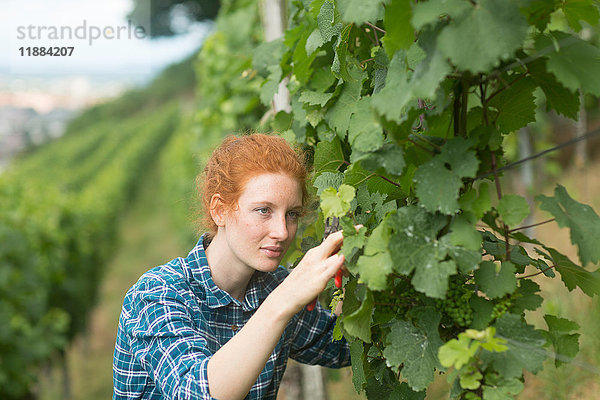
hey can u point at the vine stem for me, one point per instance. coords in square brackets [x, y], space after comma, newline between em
[375, 27]
[532, 225]
[499, 192]
[537, 273]
[380, 176]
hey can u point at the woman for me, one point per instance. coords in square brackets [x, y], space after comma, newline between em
[222, 322]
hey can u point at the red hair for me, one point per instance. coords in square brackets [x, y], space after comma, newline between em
[240, 158]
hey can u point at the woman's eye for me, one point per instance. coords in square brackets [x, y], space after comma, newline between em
[263, 210]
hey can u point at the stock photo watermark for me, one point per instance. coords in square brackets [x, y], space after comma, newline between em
[64, 39]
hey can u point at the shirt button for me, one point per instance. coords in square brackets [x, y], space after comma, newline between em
[234, 327]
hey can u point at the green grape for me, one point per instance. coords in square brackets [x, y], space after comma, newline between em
[456, 304]
[502, 307]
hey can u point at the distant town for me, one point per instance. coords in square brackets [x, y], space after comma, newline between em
[34, 110]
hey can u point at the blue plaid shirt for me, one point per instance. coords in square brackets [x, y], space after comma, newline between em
[175, 318]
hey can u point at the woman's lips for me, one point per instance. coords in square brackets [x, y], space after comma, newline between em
[272, 251]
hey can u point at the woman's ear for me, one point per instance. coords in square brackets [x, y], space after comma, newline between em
[217, 210]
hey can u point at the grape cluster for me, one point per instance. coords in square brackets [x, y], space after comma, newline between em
[501, 307]
[397, 301]
[456, 304]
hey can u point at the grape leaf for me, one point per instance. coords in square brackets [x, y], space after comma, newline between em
[336, 203]
[429, 12]
[506, 389]
[433, 279]
[328, 156]
[358, 324]
[581, 219]
[538, 12]
[328, 21]
[359, 11]
[437, 187]
[365, 133]
[523, 348]
[390, 157]
[566, 344]
[515, 105]
[580, 10]
[399, 33]
[327, 180]
[338, 116]
[573, 275]
[315, 98]
[525, 297]
[313, 42]
[574, 63]
[463, 233]
[482, 27]
[496, 283]
[457, 352]
[558, 97]
[359, 379]
[415, 347]
[267, 54]
[395, 82]
[270, 85]
[376, 263]
[513, 209]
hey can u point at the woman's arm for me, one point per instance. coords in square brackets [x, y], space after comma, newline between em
[249, 350]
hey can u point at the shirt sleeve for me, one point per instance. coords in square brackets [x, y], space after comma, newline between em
[167, 342]
[313, 340]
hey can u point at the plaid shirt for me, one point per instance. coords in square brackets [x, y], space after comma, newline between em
[175, 318]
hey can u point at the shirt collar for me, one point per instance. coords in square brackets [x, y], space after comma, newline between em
[215, 296]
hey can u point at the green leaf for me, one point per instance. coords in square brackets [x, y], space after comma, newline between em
[566, 344]
[432, 11]
[328, 180]
[329, 156]
[525, 298]
[358, 324]
[266, 55]
[481, 27]
[376, 263]
[575, 63]
[315, 98]
[337, 203]
[271, 85]
[513, 209]
[581, 219]
[477, 204]
[359, 11]
[515, 105]
[415, 347]
[496, 283]
[365, 133]
[463, 233]
[433, 278]
[359, 379]
[313, 42]
[328, 21]
[538, 12]
[404, 392]
[399, 33]
[457, 352]
[573, 275]
[482, 312]
[506, 389]
[385, 102]
[437, 187]
[580, 10]
[390, 157]
[338, 116]
[558, 97]
[523, 348]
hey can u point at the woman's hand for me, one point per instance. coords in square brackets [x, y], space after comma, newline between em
[311, 275]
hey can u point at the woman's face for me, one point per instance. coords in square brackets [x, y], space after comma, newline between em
[260, 230]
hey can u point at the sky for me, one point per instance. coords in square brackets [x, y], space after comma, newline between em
[103, 41]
